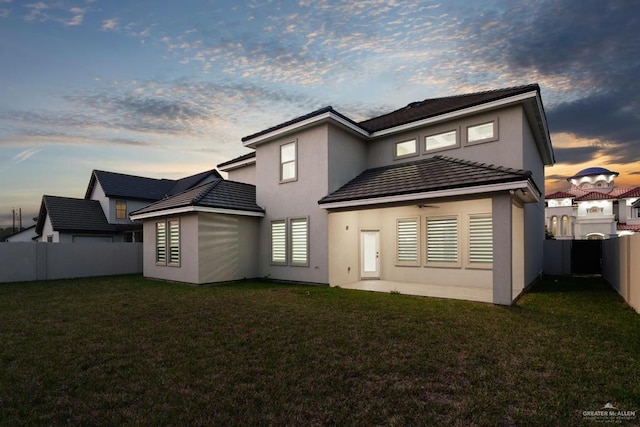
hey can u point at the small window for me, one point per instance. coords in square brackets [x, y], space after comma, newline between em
[299, 241]
[554, 225]
[161, 243]
[288, 169]
[406, 148]
[442, 241]
[408, 241]
[279, 242]
[565, 226]
[481, 240]
[483, 132]
[441, 141]
[121, 209]
[174, 242]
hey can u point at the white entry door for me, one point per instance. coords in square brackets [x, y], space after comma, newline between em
[370, 254]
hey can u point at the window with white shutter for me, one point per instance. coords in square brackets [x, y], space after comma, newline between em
[481, 240]
[278, 242]
[442, 241]
[161, 242]
[299, 241]
[408, 241]
[174, 241]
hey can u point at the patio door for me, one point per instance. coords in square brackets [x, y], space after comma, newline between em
[370, 254]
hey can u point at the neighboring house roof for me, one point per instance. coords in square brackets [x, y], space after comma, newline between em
[559, 195]
[594, 195]
[629, 227]
[429, 175]
[73, 215]
[438, 106]
[30, 229]
[594, 171]
[142, 188]
[634, 192]
[218, 195]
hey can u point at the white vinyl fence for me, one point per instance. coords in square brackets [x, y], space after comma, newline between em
[29, 261]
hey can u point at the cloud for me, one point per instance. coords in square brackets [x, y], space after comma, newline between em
[110, 24]
[24, 155]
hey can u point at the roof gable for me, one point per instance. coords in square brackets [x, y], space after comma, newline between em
[427, 175]
[70, 214]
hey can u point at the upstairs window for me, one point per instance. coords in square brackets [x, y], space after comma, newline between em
[406, 148]
[483, 132]
[441, 140]
[121, 209]
[288, 164]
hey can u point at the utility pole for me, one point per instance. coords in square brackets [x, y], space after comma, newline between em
[13, 226]
[20, 223]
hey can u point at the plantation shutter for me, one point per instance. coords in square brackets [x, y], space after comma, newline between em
[299, 241]
[174, 242]
[161, 243]
[278, 242]
[407, 240]
[481, 239]
[442, 239]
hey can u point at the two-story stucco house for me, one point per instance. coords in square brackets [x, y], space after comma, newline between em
[444, 197]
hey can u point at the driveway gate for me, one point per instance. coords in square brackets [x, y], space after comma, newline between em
[586, 257]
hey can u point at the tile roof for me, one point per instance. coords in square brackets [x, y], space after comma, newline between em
[634, 192]
[437, 106]
[594, 195]
[70, 214]
[247, 156]
[414, 111]
[142, 188]
[559, 195]
[221, 194]
[433, 174]
[631, 227]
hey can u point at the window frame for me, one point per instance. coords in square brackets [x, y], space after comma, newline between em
[456, 144]
[119, 204]
[292, 245]
[418, 259]
[284, 249]
[493, 138]
[169, 245]
[416, 151]
[294, 161]
[470, 237]
[443, 264]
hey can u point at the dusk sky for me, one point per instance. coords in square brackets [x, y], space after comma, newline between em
[168, 88]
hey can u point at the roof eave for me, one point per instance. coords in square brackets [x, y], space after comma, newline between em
[325, 117]
[191, 209]
[525, 190]
[237, 165]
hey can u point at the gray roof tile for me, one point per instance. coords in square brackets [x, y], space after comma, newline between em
[221, 194]
[70, 214]
[433, 174]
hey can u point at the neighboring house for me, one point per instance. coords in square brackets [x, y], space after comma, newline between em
[25, 235]
[443, 197]
[593, 207]
[103, 214]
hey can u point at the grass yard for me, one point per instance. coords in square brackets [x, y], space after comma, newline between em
[125, 350]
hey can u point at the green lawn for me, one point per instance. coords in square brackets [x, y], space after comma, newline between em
[125, 350]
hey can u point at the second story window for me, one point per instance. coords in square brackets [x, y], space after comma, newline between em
[406, 148]
[288, 166]
[121, 209]
[441, 141]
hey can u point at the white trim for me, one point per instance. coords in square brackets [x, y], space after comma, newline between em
[532, 193]
[455, 114]
[236, 165]
[190, 209]
[251, 143]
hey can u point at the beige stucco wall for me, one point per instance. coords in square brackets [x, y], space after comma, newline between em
[188, 269]
[228, 247]
[344, 245]
[246, 174]
[518, 250]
